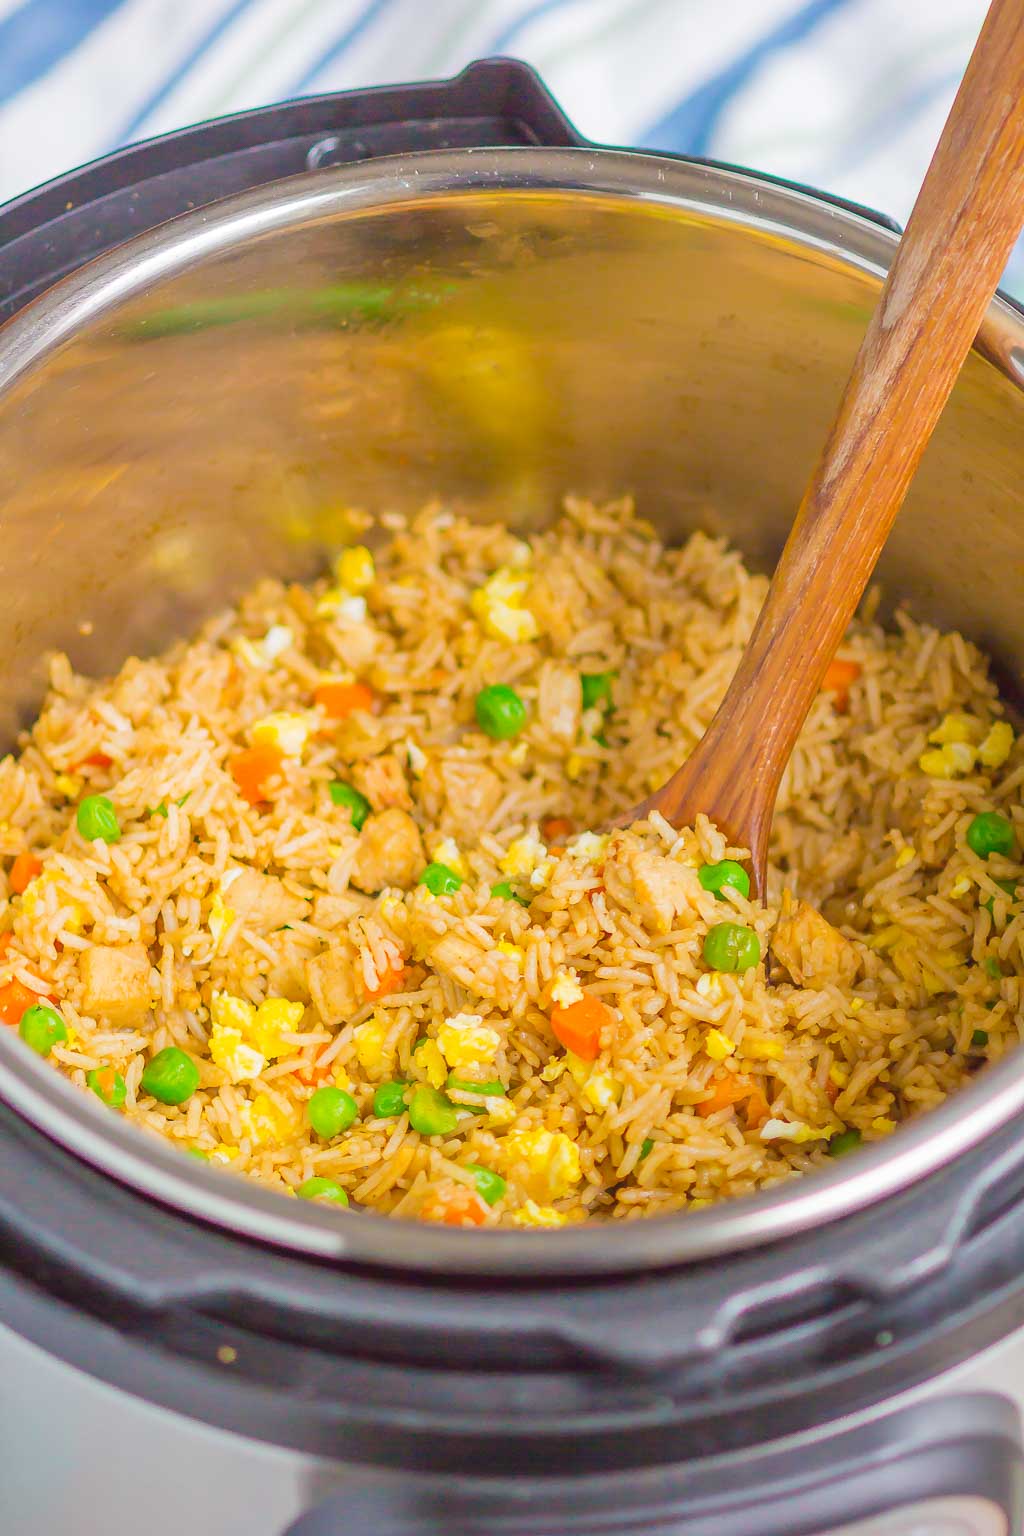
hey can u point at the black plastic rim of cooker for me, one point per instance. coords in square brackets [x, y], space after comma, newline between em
[605, 1374]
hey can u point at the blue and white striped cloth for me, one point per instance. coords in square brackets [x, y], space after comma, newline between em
[849, 95]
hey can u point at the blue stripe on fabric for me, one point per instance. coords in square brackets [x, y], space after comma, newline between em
[881, 130]
[35, 37]
[352, 32]
[130, 129]
[689, 127]
[509, 33]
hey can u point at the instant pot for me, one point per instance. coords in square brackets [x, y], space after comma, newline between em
[374, 299]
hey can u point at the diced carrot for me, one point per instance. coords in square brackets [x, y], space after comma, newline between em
[579, 1027]
[94, 760]
[316, 1072]
[555, 829]
[838, 679]
[6, 940]
[389, 981]
[831, 1091]
[460, 1207]
[253, 769]
[14, 999]
[24, 869]
[728, 1090]
[339, 700]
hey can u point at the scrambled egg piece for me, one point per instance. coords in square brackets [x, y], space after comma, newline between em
[905, 855]
[710, 986]
[513, 951]
[588, 845]
[466, 1041]
[336, 603]
[551, 1159]
[75, 915]
[566, 989]
[243, 1037]
[429, 1057]
[446, 851]
[261, 654]
[883, 1125]
[275, 1017]
[961, 885]
[69, 785]
[370, 1052]
[951, 761]
[526, 858]
[355, 569]
[533, 1215]
[498, 604]
[264, 1123]
[761, 1047]
[220, 919]
[600, 1089]
[997, 745]
[238, 1060]
[718, 1046]
[955, 728]
[286, 731]
[838, 1076]
[791, 1130]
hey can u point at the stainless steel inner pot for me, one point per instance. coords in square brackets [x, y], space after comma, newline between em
[539, 321]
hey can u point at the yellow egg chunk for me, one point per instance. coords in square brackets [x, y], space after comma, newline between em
[466, 1041]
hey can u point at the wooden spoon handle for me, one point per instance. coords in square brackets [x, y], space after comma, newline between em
[967, 216]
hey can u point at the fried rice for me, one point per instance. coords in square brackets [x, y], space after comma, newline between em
[221, 853]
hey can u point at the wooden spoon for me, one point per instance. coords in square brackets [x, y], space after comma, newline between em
[967, 216]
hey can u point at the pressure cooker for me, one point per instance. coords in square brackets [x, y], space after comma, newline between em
[214, 341]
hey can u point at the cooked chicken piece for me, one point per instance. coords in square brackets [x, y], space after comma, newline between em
[336, 983]
[487, 973]
[382, 781]
[559, 702]
[652, 882]
[809, 949]
[335, 911]
[390, 852]
[461, 796]
[262, 902]
[116, 984]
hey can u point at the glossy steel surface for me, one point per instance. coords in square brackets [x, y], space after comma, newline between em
[541, 320]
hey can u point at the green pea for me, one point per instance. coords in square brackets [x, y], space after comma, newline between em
[489, 1090]
[356, 804]
[198, 1153]
[505, 890]
[843, 1142]
[646, 1147]
[714, 876]
[596, 688]
[171, 1077]
[992, 967]
[107, 1085]
[489, 1186]
[990, 833]
[431, 1112]
[331, 1111]
[96, 818]
[1010, 889]
[731, 947]
[440, 879]
[979, 1039]
[322, 1189]
[389, 1100]
[500, 712]
[42, 1028]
